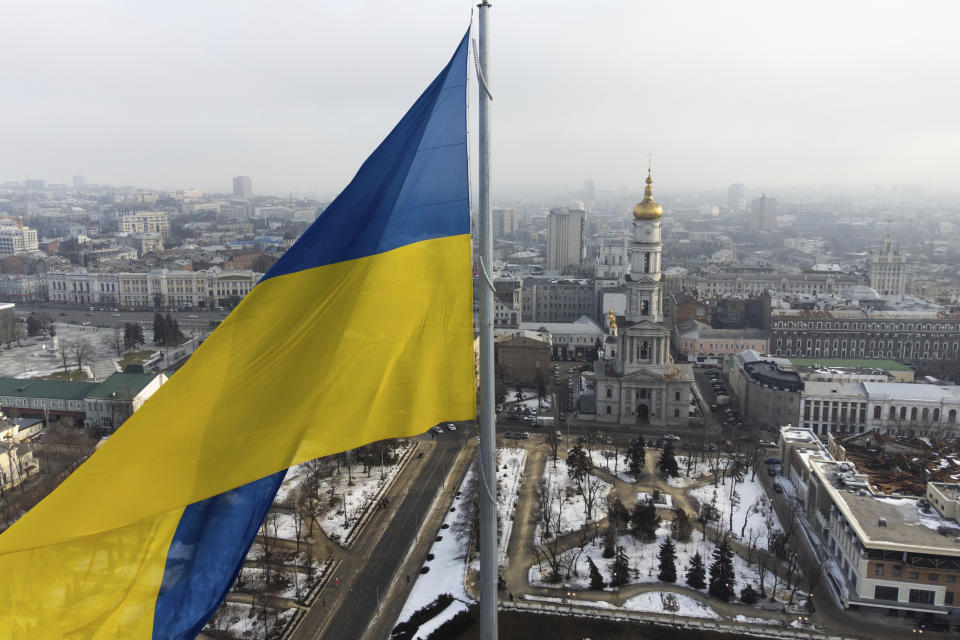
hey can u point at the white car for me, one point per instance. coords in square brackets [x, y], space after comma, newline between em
[451, 427]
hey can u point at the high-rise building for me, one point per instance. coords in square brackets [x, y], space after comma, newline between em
[79, 182]
[505, 222]
[737, 198]
[763, 213]
[242, 186]
[887, 270]
[18, 238]
[566, 240]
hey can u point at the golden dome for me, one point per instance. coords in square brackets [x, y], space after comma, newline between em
[612, 317]
[647, 209]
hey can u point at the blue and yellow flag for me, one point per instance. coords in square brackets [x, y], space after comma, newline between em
[363, 330]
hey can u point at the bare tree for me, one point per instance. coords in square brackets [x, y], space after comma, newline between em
[548, 515]
[81, 351]
[65, 350]
[553, 440]
[590, 489]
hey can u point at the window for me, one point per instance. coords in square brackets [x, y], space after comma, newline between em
[914, 575]
[608, 410]
[676, 413]
[887, 593]
[922, 596]
[609, 393]
[676, 396]
[878, 569]
[934, 577]
[948, 597]
[951, 578]
[895, 570]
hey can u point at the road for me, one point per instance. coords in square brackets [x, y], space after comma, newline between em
[199, 321]
[369, 568]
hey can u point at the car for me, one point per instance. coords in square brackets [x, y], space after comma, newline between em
[62, 313]
[771, 471]
[670, 436]
[193, 316]
[437, 429]
[531, 420]
[508, 435]
[115, 315]
[778, 487]
[525, 435]
[558, 435]
[771, 461]
[713, 406]
[451, 427]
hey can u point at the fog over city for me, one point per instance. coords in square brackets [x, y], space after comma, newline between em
[176, 94]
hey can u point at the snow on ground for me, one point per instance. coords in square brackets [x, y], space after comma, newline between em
[660, 602]
[754, 505]
[598, 604]
[359, 497]
[290, 482]
[698, 469]
[281, 524]
[510, 463]
[235, 618]
[254, 581]
[749, 620]
[644, 562]
[618, 465]
[447, 569]
[568, 505]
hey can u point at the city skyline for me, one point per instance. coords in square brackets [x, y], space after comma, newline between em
[763, 96]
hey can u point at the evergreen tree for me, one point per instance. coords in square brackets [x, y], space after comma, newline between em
[645, 520]
[696, 572]
[132, 336]
[578, 464]
[681, 528]
[620, 569]
[748, 595]
[668, 461]
[722, 578]
[596, 578]
[609, 543]
[159, 330]
[618, 514]
[636, 455]
[668, 561]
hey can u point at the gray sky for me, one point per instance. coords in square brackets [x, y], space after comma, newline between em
[296, 94]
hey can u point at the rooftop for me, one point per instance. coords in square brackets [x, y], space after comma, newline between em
[887, 522]
[125, 385]
[844, 363]
[20, 388]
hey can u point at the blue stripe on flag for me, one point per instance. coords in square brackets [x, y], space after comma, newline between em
[407, 188]
[206, 553]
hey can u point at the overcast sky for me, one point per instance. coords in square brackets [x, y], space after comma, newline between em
[296, 94]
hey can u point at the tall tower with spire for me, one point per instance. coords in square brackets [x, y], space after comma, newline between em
[636, 379]
[887, 269]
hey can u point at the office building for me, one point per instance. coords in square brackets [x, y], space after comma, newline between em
[242, 186]
[566, 242]
[763, 213]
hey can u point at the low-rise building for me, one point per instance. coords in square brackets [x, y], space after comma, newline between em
[522, 357]
[891, 554]
[570, 340]
[16, 450]
[702, 344]
[115, 399]
[768, 388]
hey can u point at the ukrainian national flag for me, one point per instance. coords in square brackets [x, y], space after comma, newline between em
[361, 331]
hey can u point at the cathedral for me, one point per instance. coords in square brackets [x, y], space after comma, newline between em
[636, 379]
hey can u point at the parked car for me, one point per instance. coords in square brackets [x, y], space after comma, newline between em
[558, 434]
[525, 435]
[771, 471]
[670, 436]
[771, 461]
[437, 429]
[451, 426]
[778, 487]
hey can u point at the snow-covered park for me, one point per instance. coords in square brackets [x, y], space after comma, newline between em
[568, 506]
[753, 515]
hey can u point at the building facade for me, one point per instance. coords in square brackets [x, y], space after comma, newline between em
[17, 239]
[552, 300]
[887, 270]
[763, 213]
[566, 238]
[242, 186]
[145, 222]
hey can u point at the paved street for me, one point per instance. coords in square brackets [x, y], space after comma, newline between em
[349, 602]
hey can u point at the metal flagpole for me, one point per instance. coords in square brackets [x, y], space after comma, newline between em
[487, 416]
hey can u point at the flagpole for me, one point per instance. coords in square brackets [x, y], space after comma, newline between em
[487, 416]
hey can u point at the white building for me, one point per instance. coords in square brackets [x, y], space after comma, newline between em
[17, 239]
[636, 380]
[887, 270]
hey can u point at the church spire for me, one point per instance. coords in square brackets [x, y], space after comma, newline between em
[647, 209]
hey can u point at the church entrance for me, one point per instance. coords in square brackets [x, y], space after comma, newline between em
[643, 414]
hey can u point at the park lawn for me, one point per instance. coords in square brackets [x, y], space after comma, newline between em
[136, 357]
[73, 375]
